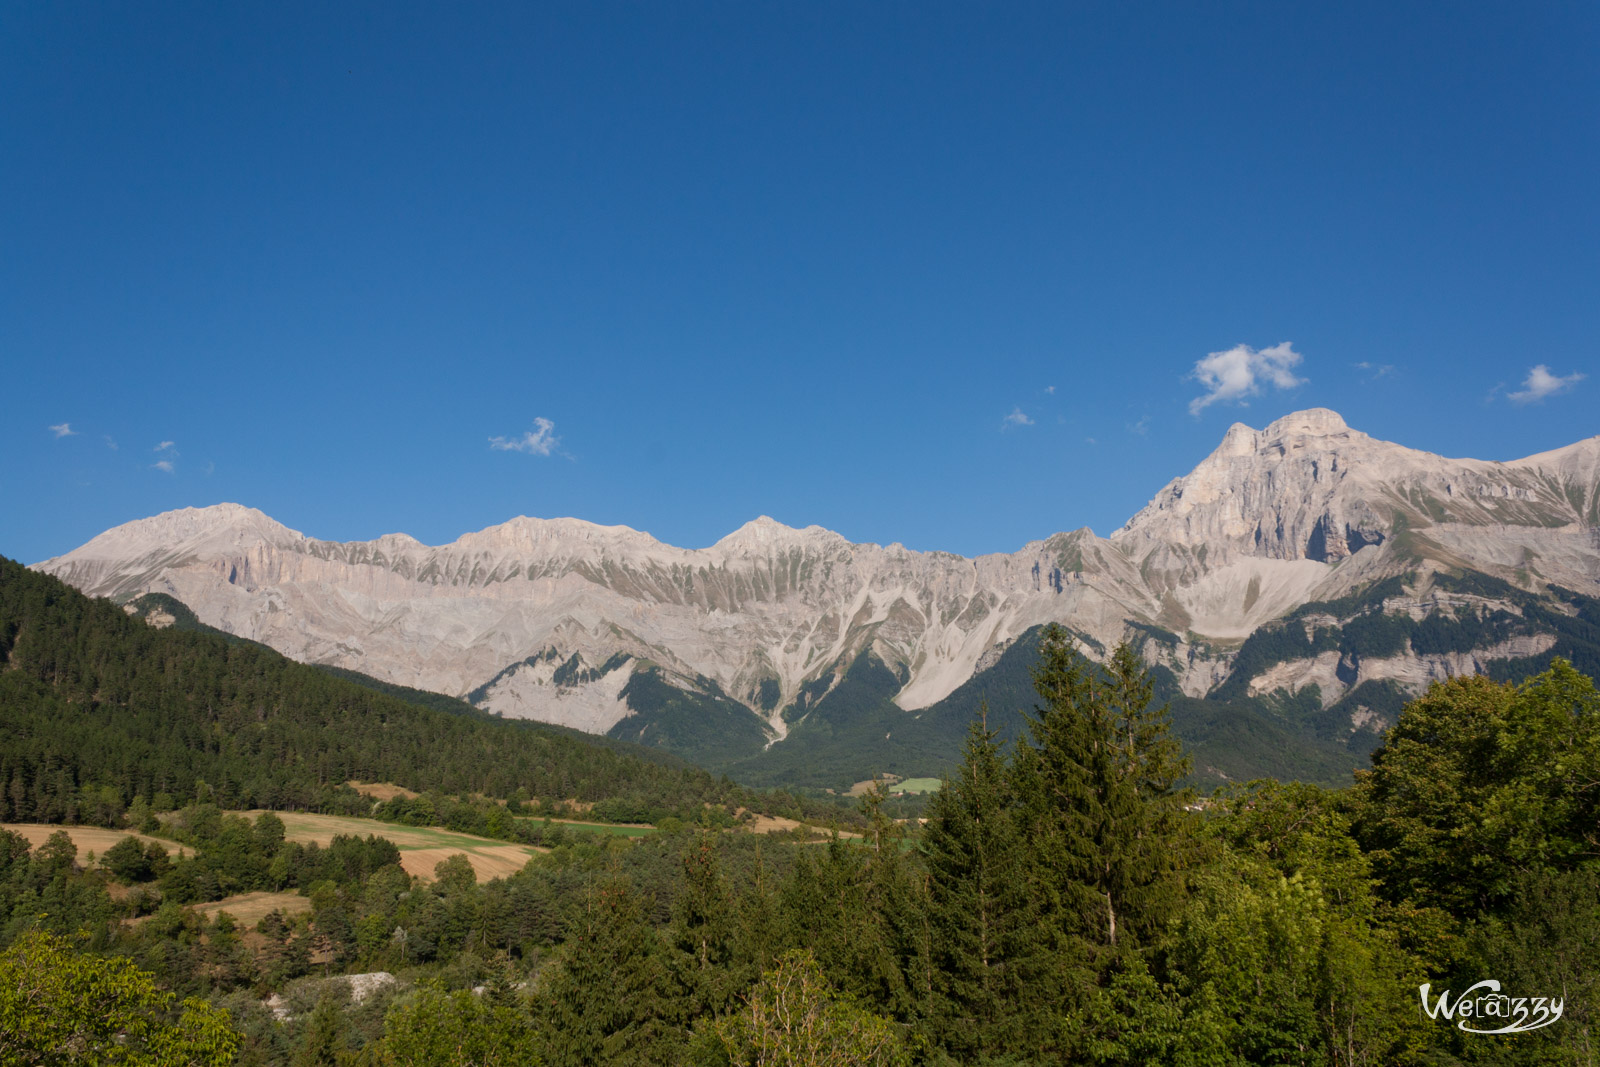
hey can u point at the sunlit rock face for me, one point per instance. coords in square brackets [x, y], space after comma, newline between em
[550, 618]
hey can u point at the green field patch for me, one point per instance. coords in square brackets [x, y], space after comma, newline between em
[596, 827]
[918, 785]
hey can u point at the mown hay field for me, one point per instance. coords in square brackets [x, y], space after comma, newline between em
[421, 847]
[94, 839]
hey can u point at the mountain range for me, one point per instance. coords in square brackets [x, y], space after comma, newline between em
[1292, 590]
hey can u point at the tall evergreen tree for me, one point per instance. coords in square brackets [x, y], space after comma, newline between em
[894, 892]
[982, 910]
[607, 1001]
[1106, 826]
[703, 934]
[760, 921]
[323, 1041]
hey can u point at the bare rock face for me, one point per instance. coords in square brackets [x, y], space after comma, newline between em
[1309, 487]
[550, 618]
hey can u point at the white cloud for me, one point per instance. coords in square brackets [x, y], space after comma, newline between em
[1050, 389]
[1142, 427]
[111, 444]
[538, 441]
[63, 430]
[162, 447]
[1233, 375]
[1016, 418]
[164, 465]
[1375, 371]
[1540, 383]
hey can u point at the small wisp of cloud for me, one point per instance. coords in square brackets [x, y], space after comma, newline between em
[169, 457]
[111, 442]
[1373, 371]
[63, 429]
[539, 441]
[1238, 373]
[1540, 383]
[1142, 427]
[1016, 418]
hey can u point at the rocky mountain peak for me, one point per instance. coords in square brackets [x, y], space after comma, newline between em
[1318, 429]
[168, 531]
[546, 535]
[762, 534]
[1312, 422]
[528, 614]
[761, 530]
[1263, 492]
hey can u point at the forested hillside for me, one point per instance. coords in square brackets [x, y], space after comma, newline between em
[99, 708]
[1066, 903]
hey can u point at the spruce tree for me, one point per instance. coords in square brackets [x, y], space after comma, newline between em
[703, 933]
[838, 905]
[607, 1002]
[324, 1037]
[758, 925]
[895, 911]
[1105, 823]
[982, 912]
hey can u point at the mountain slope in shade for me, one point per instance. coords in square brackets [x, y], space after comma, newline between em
[609, 630]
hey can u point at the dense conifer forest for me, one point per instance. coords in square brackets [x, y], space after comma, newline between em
[1066, 902]
[101, 708]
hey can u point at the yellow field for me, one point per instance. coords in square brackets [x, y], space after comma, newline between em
[380, 790]
[766, 824]
[251, 908]
[865, 787]
[421, 847]
[88, 838]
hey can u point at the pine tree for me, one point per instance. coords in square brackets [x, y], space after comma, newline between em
[1106, 826]
[982, 911]
[759, 924]
[500, 991]
[324, 1036]
[607, 1001]
[703, 933]
[894, 899]
[834, 906]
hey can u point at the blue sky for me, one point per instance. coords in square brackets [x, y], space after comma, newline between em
[958, 276]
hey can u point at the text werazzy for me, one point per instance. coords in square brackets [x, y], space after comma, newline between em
[1484, 1004]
